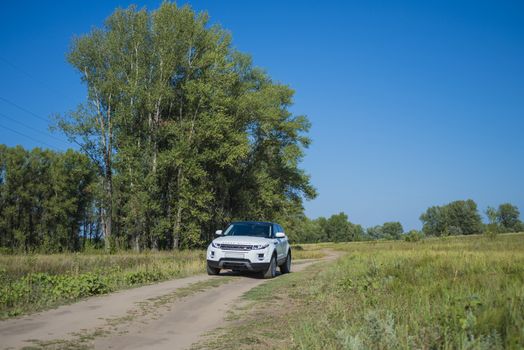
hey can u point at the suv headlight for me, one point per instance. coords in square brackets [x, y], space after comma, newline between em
[260, 246]
[215, 245]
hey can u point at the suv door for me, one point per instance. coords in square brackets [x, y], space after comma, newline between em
[285, 243]
[282, 243]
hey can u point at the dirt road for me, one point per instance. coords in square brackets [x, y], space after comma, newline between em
[168, 315]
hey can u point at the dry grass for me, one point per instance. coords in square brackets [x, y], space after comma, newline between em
[307, 251]
[14, 267]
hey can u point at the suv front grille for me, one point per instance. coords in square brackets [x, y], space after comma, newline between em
[239, 247]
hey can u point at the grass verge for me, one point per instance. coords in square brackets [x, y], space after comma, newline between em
[30, 283]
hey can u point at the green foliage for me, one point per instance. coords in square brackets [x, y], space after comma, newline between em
[455, 218]
[392, 230]
[389, 230]
[46, 200]
[414, 236]
[506, 218]
[336, 228]
[375, 232]
[45, 288]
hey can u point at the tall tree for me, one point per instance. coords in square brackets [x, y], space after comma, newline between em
[92, 125]
[185, 132]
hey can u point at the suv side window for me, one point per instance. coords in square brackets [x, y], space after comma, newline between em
[275, 230]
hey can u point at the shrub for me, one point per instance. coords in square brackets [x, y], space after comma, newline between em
[413, 236]
[491, 231]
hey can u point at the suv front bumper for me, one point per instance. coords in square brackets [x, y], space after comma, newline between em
[250, 260]
[238, 264]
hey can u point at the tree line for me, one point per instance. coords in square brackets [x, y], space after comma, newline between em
[338, 228]
[463, 218]
[52, 201]
[456, 218]
[47, 200]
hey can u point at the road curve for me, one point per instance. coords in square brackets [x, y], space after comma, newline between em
[151, 316]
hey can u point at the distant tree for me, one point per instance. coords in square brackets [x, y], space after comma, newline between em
[508, 217]
[307, 231]
[322, 235]
[375, 232]
[392, 230]
[463, 216]
[337, 228]
[458, 217]
[492, 227]
[492, 215]
[357, 233]
[434, 221]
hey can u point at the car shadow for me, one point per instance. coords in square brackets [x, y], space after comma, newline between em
[248, 274]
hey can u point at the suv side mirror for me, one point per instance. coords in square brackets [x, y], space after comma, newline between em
[218, 232]
[280, 235]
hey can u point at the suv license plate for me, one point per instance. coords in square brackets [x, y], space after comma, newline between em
[235, 255]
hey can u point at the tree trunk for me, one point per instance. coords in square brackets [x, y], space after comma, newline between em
[107, 132]
[178, 214]
[108, 216]
[137, 242]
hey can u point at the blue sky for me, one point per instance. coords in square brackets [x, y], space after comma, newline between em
[413, 103]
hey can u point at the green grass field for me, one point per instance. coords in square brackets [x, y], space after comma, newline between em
[449, 293]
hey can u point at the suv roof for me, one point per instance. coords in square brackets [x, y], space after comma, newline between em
[253, 222]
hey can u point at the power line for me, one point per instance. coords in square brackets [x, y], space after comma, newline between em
[31, 128]
[24, 109]
[27, 74]
[31, 76]
[30, 137]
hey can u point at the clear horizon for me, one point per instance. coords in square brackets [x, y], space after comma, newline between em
[412, 105]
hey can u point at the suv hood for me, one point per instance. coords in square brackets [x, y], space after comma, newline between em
[242, 240]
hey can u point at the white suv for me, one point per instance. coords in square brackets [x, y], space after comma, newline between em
[250, 246]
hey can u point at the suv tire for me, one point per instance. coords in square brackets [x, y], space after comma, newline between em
[272, 269]
[286, 266]
[212, 271]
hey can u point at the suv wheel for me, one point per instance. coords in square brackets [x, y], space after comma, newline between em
[272, 269]
[286, 266]
[212, 270]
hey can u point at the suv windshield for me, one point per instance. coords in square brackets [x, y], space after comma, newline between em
[249, 229]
